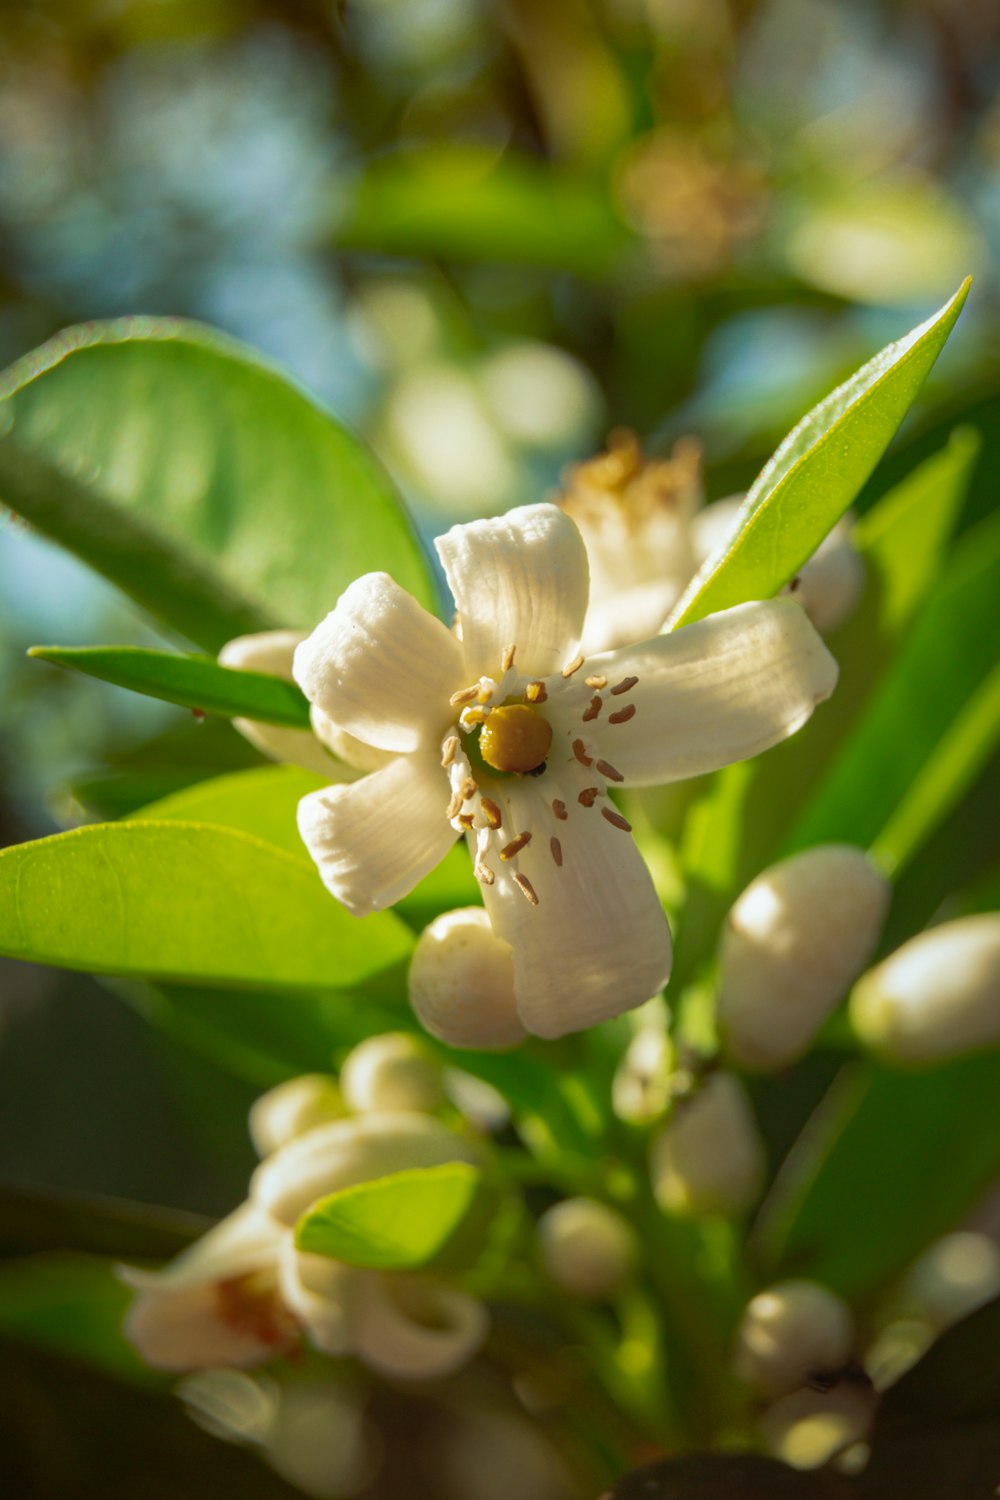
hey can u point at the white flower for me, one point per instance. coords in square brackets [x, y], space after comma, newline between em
[514, 738]
[647, 534]
[792, 944]
[244, 1293]
[937, 996]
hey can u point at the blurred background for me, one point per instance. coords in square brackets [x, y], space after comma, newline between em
[483, 232]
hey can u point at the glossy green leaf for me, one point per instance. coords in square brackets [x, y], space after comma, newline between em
[192, 474]
[944, 661]
[890, 1161]
[71, 1305]
[393, 1223]
[817, 471]
[185, 901]
[197, 682]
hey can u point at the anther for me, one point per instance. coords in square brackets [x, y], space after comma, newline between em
[507, 659]
[449, 750]
[466, 819]
[526, 886]
[607, 769]
[464, 695]
[573, 666]
[616, 819]
[581, 754]
[596, 683]
[473, 716]
[623, 715]
[468, 789]
[491, 812]
[559, 808]
[515, 846]
[556, 849]
[451, 811]
[588, 796]
[624, 685]
[485, 875]
[594, 708]
[536, 692]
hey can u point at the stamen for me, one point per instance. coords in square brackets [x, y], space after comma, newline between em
[473, 716]
[624, 685]
[491, 812]
[559, 808]
[464, 695]
[451, 811]
[526, 886]
[581, 754]
[509, 851]
[468, 789]
[607, 769]
[596, 682]
[449, 750]
[573, 666]
[588, 796]
[616, 819]
[556, 849]
[623, 715]
[507, 659]
[596, 703]
[484, 694]
[466, 819]
[536, 692]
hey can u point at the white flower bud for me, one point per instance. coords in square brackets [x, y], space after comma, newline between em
[291, 1109]
[641, 1089]
[318, 1441]
[391, 1072]
[272, 651]
[790, 1331]
[586, 1247]
[347, 1152]
[808, 1428]
[952, 1278]
[793, 943]
[411, 1328]
[829, 585]
[936, 997]
[709, 1158]
[461, 982]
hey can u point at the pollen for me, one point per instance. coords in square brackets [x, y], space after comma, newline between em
[515, 738]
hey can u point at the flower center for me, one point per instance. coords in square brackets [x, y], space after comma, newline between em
[515, 738]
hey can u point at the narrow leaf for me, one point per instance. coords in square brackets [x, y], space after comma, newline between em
[393, 1223]
[189, 902]
[197, 682]
[817, 471]
[192, 474]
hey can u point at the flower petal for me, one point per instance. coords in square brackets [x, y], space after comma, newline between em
[374, 839]
[407, 1328]
[272, 651]
[521, 579]
[245, 1240]
[381, 667]
[187, 1328]
[598, 942]
[711, 693]
[319, 1292]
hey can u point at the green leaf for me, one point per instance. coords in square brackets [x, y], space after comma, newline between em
[197, 682]
[72, 1305]
[817, 471]
[890, 1161]
[186, 901]
[944, 661]
[190, 473]
[393, 1223]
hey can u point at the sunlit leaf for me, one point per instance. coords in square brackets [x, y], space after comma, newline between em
[393, 1223]
[197, 478]
[816, 473]
[185, 901]
[197, 682]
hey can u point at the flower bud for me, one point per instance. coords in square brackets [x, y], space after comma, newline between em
[587, 1249]
[346, 1152]
[952, 1278]
[640, 1092]
[829, 585]
[709, 1158]
[391, 1072]
[291, 1109]
[808, 1428]
[461, 982]
[789, 1332]
[272, 651]
[936, 997]
[793, 943]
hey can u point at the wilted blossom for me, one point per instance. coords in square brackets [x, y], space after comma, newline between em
[244, 1293]
[505, 732]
